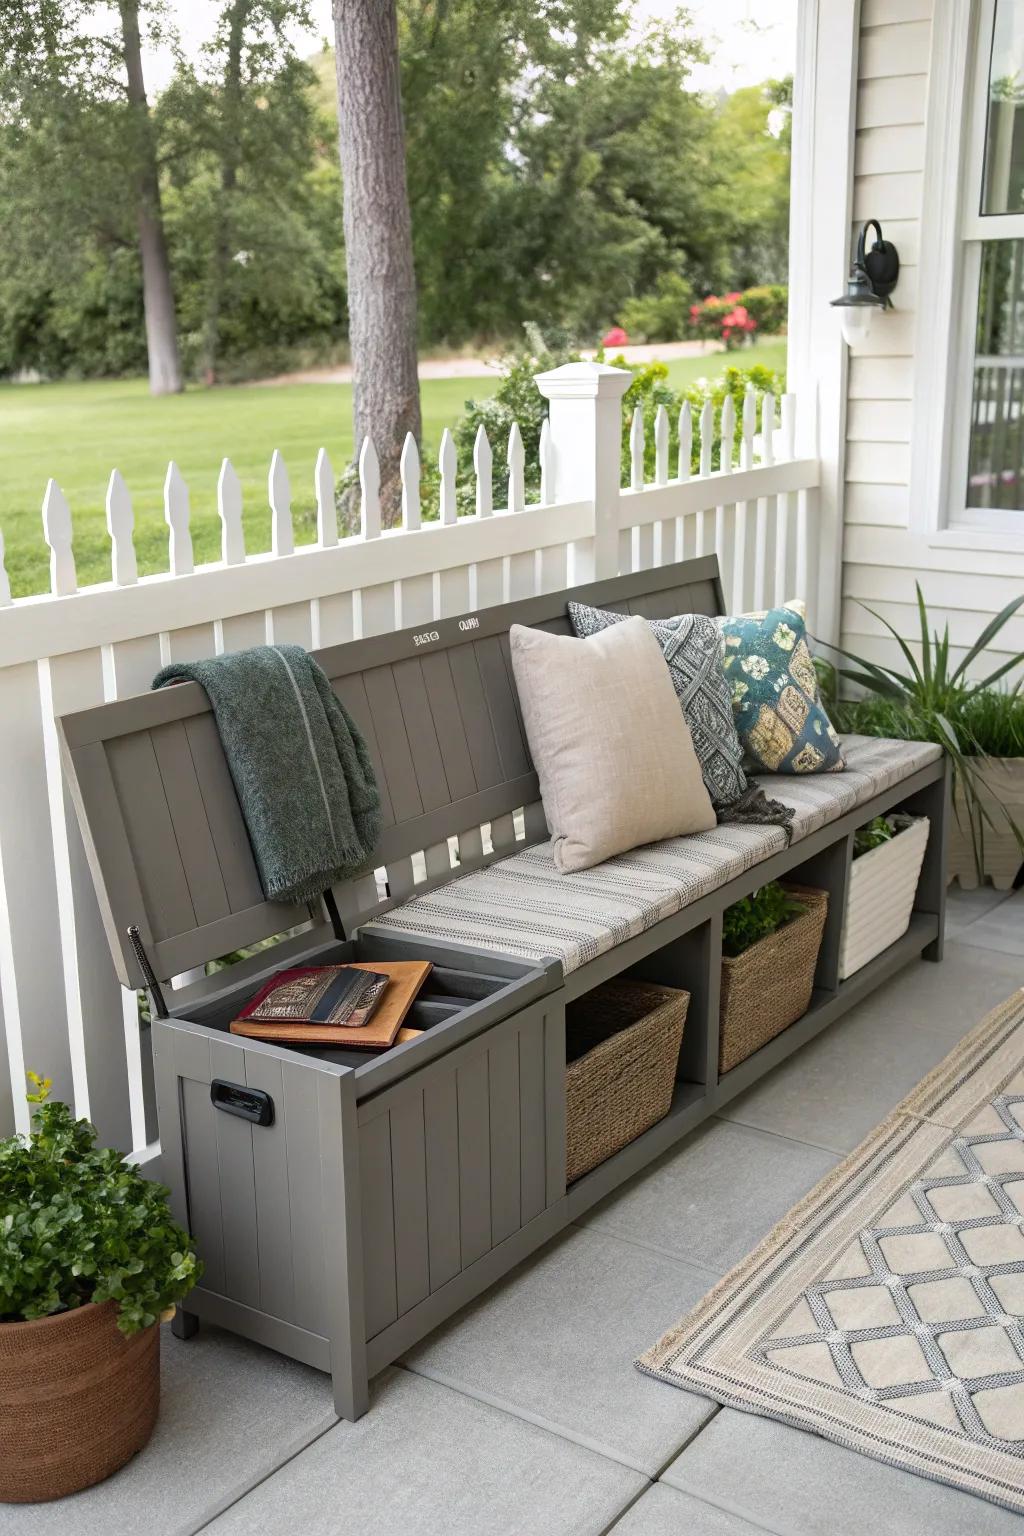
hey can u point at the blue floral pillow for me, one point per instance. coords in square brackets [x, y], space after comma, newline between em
[779, 714]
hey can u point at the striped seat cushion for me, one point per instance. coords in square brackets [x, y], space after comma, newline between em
[522, 906]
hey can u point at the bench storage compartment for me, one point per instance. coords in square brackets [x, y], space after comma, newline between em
[622, 1048]
[769, 986]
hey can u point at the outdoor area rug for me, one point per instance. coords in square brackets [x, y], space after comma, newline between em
[886, 1310]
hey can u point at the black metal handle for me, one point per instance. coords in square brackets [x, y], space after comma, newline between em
[247, 1103]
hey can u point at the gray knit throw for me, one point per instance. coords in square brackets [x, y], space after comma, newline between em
[301, 770]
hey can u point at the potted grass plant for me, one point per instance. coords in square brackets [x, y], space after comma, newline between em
[978, 722]
[91, 1262]
[770, 944]
[887, 856]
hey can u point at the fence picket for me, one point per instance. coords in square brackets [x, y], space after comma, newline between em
[768, 429]
[57, 530]
[726, 446]
[784, 504]
[176, 515]
[373, 608]
[788, 414]
[762, 524]
[685, 441]
[636, 450]
[483, 461]
[447, 463]
[279, 493]
[120, 526]
[749, 427]
[409, 470]
[369, 486]
[707, 434]
[229, 510]
[326, 507]
[661, 446]
[516, 470]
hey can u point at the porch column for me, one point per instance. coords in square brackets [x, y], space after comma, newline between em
[585, 425]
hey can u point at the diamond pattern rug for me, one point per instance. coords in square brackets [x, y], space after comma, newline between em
[886, 1310]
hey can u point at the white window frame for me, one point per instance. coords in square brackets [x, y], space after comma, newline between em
[951, 232]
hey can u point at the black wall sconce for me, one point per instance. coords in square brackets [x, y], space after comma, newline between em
[872, 278]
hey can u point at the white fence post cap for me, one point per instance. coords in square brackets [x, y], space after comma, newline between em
[584, 381]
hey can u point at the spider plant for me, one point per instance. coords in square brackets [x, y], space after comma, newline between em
[936, 701]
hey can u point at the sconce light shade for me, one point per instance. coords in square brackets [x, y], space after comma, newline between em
[873, 276]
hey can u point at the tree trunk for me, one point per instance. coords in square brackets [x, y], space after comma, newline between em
[229, 151]
[378, 237]
[157, 293]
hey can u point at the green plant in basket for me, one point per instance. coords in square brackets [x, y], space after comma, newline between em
[933, 700]
[755, 916]
[78, 1224]
[873, 835]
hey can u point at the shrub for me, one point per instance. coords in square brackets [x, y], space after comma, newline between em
[768, 306]
[662, 315]
[78, 1224]
[735, 317]
[754, 917]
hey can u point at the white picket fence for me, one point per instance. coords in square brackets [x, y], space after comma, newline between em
[63, 1011]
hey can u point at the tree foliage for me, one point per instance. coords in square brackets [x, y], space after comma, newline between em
[561, 168]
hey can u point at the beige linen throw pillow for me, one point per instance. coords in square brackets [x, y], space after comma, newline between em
[612, 750]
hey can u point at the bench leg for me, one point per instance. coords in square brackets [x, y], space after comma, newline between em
[934, 802]
[184, 1325]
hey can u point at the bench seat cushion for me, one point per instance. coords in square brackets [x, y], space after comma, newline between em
[522, 906]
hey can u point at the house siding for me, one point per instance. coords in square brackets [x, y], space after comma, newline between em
[882, 554]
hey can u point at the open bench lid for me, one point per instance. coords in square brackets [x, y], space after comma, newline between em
[164, 834]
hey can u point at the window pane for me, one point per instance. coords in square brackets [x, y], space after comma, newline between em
[1003, 190]
[995, 476]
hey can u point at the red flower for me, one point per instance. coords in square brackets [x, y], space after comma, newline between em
[616, 337]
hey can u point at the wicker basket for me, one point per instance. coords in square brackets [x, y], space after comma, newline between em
[622, 1049]
[77, 1399]
[769, 986]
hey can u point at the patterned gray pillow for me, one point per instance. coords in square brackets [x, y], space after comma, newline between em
[693, 647]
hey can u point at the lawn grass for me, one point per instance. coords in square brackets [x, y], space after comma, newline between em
[77, 433]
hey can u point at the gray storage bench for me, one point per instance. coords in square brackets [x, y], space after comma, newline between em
[345, 1204]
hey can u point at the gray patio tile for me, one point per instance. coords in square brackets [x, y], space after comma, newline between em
[426, 1461]
[1001, 928]
[799, 1485]
[230, 1412]
[965, 907]
[555, 1343]
[712, 1198]
[838, 1088]
[664, 1511]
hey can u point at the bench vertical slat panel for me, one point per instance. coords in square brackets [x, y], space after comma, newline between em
[474, 1160]
[305, 1196]
[237, 1186]
[224, 817]
[428, 763]
[188, 813]
[441, 1135]
[504, 716]
[444, 707]
[393, 743]
[408, 1162]
[377, 1198]
[352, 693]
[532, 1127]
[193, 1067]
[503, 1078]
[140, 792]
[273, 1208]
[476, 721]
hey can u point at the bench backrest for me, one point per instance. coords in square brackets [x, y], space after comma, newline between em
[437, 705]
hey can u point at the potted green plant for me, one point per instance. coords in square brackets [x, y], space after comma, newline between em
[91, 1262]
[770, 944]
[887, 856]
[980, 726]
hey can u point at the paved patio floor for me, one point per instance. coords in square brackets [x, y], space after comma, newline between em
[525, 1415]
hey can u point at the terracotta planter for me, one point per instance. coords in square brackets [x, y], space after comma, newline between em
[77, 1400]
[1003, 789]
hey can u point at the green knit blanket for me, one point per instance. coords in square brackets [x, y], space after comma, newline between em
[300, 767]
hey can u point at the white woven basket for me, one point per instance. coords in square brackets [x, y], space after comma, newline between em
[883, 884]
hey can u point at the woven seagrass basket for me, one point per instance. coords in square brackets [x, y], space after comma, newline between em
[622, 1050]
[769, 986]
[77, 1399]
